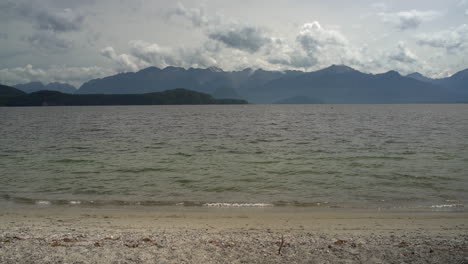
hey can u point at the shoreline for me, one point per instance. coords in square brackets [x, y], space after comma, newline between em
[236, 235]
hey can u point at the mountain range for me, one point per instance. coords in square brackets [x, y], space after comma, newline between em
[335, 84]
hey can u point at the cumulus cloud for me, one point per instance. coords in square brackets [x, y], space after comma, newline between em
[314, 38]
[409, 19]
[450, 40]
[314, 46]
[402, 54]
[72, 75]
[124, 62]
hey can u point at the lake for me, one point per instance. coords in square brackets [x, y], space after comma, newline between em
[333, 156]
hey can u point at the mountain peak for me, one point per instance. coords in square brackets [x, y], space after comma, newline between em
[392, 74]
[150, 69]
[338, 69]
[215, 69]
[173, 69]
[461, 74]
[418, 76]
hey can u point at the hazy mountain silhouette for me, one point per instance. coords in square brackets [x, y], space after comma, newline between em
[456, 84]
[38, 86]
[335, 84]
[225, 92]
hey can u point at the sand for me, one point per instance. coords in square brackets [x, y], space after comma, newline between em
[215, 235]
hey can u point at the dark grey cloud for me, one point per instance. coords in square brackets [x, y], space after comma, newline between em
[411, 19]
[45, 18]
[59, 20]
[241, 37]
[232, 34]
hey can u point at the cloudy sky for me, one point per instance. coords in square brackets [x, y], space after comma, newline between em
[77, 40]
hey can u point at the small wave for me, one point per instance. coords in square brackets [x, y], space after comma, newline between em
[238, 205]
[73, 161]
[41, 202]
[74, 202]
[143, 170]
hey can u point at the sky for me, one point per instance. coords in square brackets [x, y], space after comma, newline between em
[75, 41]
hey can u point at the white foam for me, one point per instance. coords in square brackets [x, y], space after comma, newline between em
[75, 202]
[238, 205]
[446, 205]
[42, 202]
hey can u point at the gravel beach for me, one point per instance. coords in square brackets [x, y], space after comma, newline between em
[173, 235]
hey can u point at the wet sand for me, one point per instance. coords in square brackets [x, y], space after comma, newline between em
[217, 235]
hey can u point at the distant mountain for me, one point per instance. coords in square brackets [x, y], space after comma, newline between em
[8, 91]
[225, 92]
[299, 100]
[171, 97]
[335, 84]
[456, 84]
[341, 84]
[38, 86]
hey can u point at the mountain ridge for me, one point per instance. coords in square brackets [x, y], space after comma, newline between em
[334, 84]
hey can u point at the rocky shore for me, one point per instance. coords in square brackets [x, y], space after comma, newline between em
[100, 236]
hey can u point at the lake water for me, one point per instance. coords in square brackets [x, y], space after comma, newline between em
[343, 156]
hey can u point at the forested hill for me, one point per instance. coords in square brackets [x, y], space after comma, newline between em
[170, 97]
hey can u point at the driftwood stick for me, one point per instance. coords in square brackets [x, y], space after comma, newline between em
[281, 245]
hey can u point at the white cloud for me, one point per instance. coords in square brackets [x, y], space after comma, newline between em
[412, 19]
[124, 62]
[143, 54]
[72, 75]
[314, 38]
